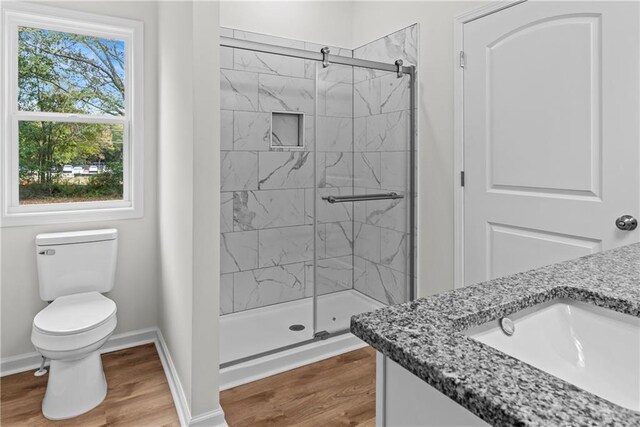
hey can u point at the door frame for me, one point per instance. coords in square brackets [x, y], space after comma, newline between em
[458, 129]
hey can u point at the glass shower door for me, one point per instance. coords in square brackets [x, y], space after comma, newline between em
[362, 207]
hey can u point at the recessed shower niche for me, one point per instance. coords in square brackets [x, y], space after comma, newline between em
[287, 130]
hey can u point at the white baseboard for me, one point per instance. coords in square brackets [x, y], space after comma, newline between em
[209, 419]
[20, 363]
[177, 392]
[30, 361]
[130, 339]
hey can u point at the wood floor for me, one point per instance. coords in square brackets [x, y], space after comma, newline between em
[335, 392]
[138, 394]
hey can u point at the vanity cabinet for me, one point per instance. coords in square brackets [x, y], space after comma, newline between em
[404, 400]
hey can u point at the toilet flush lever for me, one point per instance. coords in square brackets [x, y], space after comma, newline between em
[47, 252]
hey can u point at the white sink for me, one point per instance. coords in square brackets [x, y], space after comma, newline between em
[591, 347]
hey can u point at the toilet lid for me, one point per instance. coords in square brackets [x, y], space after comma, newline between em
[72, 314]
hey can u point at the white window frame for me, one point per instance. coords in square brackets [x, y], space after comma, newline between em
[16, 15]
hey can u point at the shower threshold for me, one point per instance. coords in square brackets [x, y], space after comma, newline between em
[266, 331]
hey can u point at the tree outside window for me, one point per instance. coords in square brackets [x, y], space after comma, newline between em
[62, 160]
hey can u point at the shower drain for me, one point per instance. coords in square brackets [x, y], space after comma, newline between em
[296, 328]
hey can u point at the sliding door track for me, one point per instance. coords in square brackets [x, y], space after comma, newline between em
[319, 336]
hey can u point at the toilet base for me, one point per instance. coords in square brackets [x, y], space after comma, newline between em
[74, 387]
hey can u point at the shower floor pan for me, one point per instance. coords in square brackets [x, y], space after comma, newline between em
[267, 329]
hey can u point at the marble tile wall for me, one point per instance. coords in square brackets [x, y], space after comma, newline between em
[381, 107]
[268, 192]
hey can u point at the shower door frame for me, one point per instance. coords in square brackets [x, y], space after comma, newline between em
[327, 58]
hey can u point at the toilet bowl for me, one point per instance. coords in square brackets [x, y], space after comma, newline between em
[73, 269]
[70, 332]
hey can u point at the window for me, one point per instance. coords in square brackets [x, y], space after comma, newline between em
[72, 112]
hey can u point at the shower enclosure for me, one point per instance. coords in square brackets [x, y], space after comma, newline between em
[318, 191]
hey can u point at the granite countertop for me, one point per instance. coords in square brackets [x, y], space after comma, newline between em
[426, 337]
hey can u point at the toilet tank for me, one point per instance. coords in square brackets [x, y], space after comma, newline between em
[76, 261]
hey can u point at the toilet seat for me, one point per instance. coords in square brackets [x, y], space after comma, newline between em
[73, 314]
[74, 322]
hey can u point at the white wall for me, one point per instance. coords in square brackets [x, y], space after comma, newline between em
[175, 61]
[323, 22]
[435, 122]
[135, 292]
[189, 195]
[206, 209]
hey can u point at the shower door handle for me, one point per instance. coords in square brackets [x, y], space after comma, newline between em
[362, 197]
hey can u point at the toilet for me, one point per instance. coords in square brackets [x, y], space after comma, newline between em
[74, 269]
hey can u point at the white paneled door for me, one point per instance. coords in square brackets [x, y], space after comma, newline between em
[551, 134]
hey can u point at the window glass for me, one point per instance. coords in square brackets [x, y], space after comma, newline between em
[70, 162]
[70, 73]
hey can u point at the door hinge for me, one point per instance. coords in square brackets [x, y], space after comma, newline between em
[462, 178]
[462, 59]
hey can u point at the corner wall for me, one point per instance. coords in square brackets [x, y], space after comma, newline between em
[206, 210]
[175, 180]
[189, 201]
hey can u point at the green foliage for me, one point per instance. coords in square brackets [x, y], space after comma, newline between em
[69, 73]
[107, 185]
[61, 192]
[109, 181]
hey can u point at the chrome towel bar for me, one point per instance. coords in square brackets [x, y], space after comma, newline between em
[362, 197]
